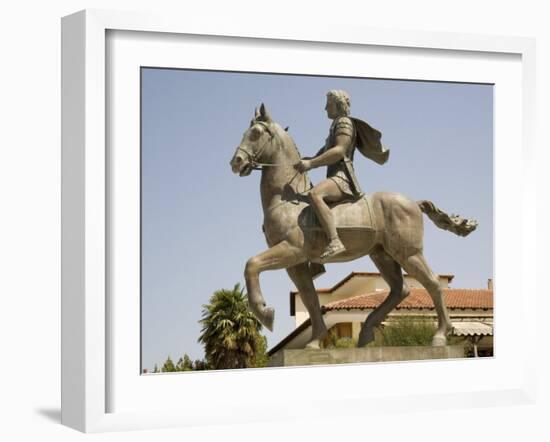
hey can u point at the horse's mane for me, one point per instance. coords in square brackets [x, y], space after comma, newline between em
[284, 135]
[288, 140]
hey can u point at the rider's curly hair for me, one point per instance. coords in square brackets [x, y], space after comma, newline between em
[343, 102]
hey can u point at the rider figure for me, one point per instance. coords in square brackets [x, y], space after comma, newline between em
[337, 153]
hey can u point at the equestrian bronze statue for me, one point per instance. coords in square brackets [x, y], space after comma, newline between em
[386, 226]
[337, 154]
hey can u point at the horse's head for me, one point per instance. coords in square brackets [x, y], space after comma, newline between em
[256, 145]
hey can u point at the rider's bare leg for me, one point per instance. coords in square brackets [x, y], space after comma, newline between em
[327, 192]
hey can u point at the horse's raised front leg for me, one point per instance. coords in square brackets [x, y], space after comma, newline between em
[301, 276]
[280, 256]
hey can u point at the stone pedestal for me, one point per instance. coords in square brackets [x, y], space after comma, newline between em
[287, 358]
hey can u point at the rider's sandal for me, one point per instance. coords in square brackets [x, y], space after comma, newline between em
[334, 248]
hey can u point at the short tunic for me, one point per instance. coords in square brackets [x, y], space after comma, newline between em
[337, 172]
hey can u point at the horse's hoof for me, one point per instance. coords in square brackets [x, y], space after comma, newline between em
[268, 318]
[439, 341]
[314, 344]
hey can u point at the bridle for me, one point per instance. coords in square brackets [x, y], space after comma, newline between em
[255, 165]
[253, 158]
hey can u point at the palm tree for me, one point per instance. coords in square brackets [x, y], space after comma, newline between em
[230, 332]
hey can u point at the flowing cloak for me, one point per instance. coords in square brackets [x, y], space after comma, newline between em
[368, 142]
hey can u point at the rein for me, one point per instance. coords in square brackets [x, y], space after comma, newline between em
[258, 166]
[252, 158]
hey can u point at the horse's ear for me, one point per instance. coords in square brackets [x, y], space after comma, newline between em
[256, 113]
[264, 114]
[286, 128]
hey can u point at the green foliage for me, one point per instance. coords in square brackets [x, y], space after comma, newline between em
[200, 365]
[230, 332]
[407, 331]
[168, 366]
[260, 358]
[334, 341]
[331, 338]
[184, 364]
[345, 343]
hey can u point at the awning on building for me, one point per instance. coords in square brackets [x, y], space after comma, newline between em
[463, 328]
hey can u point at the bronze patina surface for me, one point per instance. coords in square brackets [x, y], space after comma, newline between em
[384, 225]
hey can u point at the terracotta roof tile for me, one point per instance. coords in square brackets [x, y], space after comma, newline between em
[419, 298]
[353, 274]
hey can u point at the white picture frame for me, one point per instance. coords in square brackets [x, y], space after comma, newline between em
[86, 205]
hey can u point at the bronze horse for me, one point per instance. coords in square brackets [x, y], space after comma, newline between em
[386, 226]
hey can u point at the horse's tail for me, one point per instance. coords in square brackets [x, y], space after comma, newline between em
[454, 223]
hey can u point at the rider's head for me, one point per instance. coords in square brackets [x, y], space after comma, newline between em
[341, 101]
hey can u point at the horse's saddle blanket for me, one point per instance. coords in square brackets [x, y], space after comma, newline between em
[347, 215]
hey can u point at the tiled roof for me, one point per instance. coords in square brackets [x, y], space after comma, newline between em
[449, 277]
[418, 299]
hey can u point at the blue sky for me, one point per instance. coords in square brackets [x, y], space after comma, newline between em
[200, 222]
